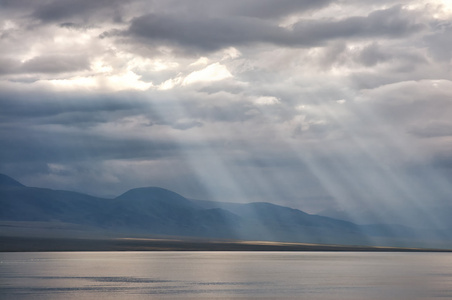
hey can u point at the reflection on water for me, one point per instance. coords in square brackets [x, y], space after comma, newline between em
[225, 275]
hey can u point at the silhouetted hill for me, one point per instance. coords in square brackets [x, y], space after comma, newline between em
[160, 211]
[38, 204]
[267, 221]
[8, 181]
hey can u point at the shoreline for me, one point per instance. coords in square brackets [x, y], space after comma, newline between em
[51, 244]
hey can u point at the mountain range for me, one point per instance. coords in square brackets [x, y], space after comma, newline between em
[154, 211]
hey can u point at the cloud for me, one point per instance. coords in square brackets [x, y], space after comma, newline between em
[213, 33]
[267, 100]
[212, 72]
[7, 66]
[54, 11]
[270, 9]
[63, 146]
[412, 101]
[205, 33]
[55, 64]
[264, 9]
[392, 22]
[433, 129]
[437, 41]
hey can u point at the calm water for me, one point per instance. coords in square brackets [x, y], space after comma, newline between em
[225, 275]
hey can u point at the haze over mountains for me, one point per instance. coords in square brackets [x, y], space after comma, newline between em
[153, 211]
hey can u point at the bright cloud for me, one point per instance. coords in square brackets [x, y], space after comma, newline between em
[213, 72]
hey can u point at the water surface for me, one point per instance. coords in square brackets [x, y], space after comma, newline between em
[225, 275]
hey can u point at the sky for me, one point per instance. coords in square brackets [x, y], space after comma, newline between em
[339, 107]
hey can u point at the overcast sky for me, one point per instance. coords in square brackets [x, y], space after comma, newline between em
[314, 104]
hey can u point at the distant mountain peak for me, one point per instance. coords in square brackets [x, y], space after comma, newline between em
[149, 191]
[154, 194]
[6, 181]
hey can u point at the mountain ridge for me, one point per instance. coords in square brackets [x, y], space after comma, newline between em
[149, 211]
[6, 181]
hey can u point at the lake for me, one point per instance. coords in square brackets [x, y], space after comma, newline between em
[225, 275]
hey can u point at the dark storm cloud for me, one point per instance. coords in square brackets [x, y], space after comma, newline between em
[20, 4]
[252, 8]
[39, 128]
[392, 22]
[444, 161]
[50, 119]
[54, 11]
[37, 104]
[212, 33]
[373, 54]
[438, 41]
[61, 127]
[62, 10]
[8, 66]
[433, 129]
[226, 112]
[55, 64]
[76, 26]
[47, 64]
[424, 103]
[206, 33]
[181, 125]
[271, 9]
[41, 145]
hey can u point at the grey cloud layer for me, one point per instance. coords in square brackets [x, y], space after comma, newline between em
[264, 9]
[51, 11]
[218, 32]
[46, 64]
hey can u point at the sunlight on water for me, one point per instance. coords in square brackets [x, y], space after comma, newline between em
[225, 275]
